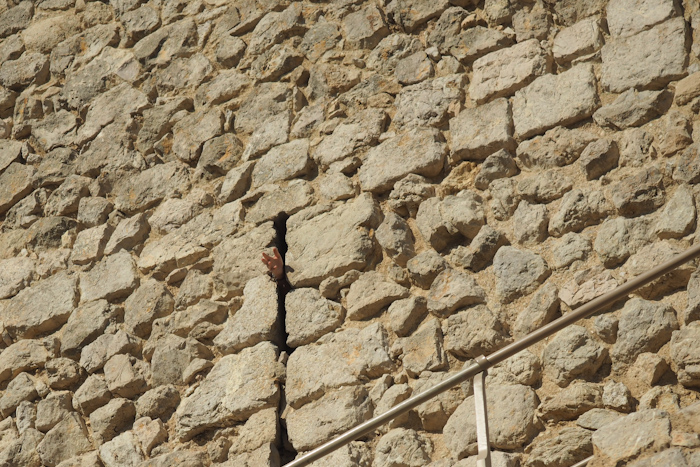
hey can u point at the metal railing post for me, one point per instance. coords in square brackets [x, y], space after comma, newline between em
[498, 356]
[483, 459]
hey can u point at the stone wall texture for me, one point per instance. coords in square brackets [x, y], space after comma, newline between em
[457, 173]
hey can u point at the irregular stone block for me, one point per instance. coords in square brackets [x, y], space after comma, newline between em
[69, 438]
[283, 162]
[573, 353]
[370, 293]
[402, 446]
[578, 398]
[553, 100]
[451, 290]
[15, 183]
[476, 42]
[518, 272]
[275, 27]
[109, 420]
[150, 301]
[649, 59]
[112, 278]
[556, 148]
[125, 376]
[347, 355]
[171, 358]
[147, 188]
[587, 285]
[430, 103]
[30, 68]
[687, 89]
[238, 386]
[644, 327]
[685, 355]
[628, 17]
[92, 395]
[571, 444]
[534, 219]
[473, 332]
[632, 108]
[122, 450]
[24, 355]
[365, 28]
[579, 208]
[310, 316]
[41, 308]
[599, 158]
[336, 412]
[640, 192]
[511, 420]
[423, 350]
[190, 133]
[629, 436]
[583, 38]
[503, 72]
[542, 309]
[480, 132]
[158, 402]
[15, 274]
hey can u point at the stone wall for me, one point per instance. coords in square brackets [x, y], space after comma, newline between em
[457, 172]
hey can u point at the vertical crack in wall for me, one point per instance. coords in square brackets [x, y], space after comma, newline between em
[287, 451]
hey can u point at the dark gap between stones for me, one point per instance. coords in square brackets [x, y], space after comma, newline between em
[287, 451]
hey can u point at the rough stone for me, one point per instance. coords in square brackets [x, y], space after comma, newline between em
[16, 18]
[370, 293]
[632, 108]
[235, 388]
[580, 39]
[573, 353]
[451, 290]
[619, 237]
[649, 58]
[15, 184]
[571, 444]
[122, 450]
[542, 309]
[476, 42]
[93, 211]
[653, 255]
[322, 36]
[678, 216]
[50, 411]
[402, 446]
[423, 350]
[125, 376]
[69, 438]
[687, 89]
[553, 100]
[255, 322]
[628, 17]
[480, 132]
[41, 308]
[55, 130]
[172, 356]
[24, 355]
[569, 248]
[498, 165]
[503, 72]
[534, 219]
[15, 275]
[473, 332]
[120, 269]
[595, 419]
[443, 222]
[336, 412]
[404, 315]
[430, 103]
[578, 398]
[413, 69]
[347, 355]
[92, 394]
[310, 316]
[685, 356]
[587, 285]
[556, 148]
[129, 233]
[144, 190]
[158, 402]
[518, 272]
[365, 28]
[30, 68]
[644, 327]
[511, 420]
[629, 436]
[579, 208]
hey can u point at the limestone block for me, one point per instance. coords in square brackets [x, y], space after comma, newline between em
[435, 412]
[93, 211]
[423, 350]
[511, 420]
[632, 108]
[55, 130]
[15, 184]
[69, 438]
[579, 208]
[627, 437]
[15, 274]
[91, 395]
[320, 37]
[476, 42]
[151, 300]
[370, 293]
[628, 17]
[480, 132]
[310, 316]
[16, 18]
[573, 353]
[129, 233]
[452, 290]
[112, 278]
[599, 157]
[678, 215]
[473, 332]
[578, 398]
[687, 89]
[570, 444]
[336, 412]
[430, 103]
[30, 68]
[24, 355]
[685, 356]
[533, 220]
[365, 28]
[158, 402]
[503, 72]
[122, 450]
[649, 58]
[328, 80]
[147, 188]
[583, 38]
[53, 409]
[238, 386]
[346, 355]
[518, 272]
[172, 356]
[498, 165]
[556, 148]
[652, 255]
[553, 100]
[415, 68]
[403, 447]
[274, 27]
[542, 309]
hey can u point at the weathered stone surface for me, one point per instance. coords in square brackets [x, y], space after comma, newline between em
[405, 314]
[67, 439]
[632, 108]
[365, 28]
[598, 158]
[370, 293]
[583, 38]
[629, 436]
[347, 355]
[113, 104]
[172, 356]
[316, 250]
[443, 222]
[158, 402]
[256, 321]
[451, 290]
[518, 272]
[579, 208]
[417, 151]
[289, 199]
[190, 133]
[402, 446]
[125, 376]
[318, 421]
[511, 420]
[16, 18]
[595, 419]
[85, 323]
[134, 194]
[91, 395]
[90, 244]
[415, 68]
[274, 27]
[112, 278]
[30, 68]
[573, 353]
[556, 148]
[477, 133]
[238, 386]
[15, 274]
[122, 450]
[687, 89]
[127, 234]
[473, 332]
[578, 398]
[430, 103]
[503, 72]
[476, 42]
[15, 184]
[319, 38]
[236, 260]
[628, 17]
[150, 301]
[568, 445]
[678, 215]
[542, 309]
[44, 307]
[620, 237]
[569, 248]
[423, 350]
[109, 420]
[55, 130]
[553, 100]
[685, 356]
[587, 285]
[653, 255]
[24, 355]
[498, 165]
[183, 74]
[283, 162]
[644, 327]
[534, 219]
[310, 316]
[649, 58]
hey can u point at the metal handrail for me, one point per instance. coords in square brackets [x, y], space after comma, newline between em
[498, 356]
